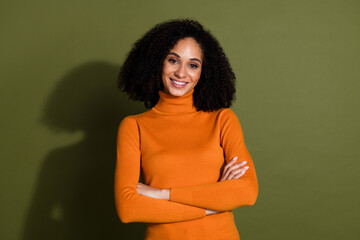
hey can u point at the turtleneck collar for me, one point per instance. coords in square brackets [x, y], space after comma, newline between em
[172, 104]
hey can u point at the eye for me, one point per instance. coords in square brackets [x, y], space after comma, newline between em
[172, 60]
[193, 66]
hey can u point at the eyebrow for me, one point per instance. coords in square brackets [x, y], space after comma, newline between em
[177, 55]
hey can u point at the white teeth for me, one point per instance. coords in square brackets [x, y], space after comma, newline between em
[180, 83]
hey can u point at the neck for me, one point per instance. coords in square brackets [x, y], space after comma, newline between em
[173, 104]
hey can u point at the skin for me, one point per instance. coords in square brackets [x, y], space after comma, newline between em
[184, 64]
[231, 171]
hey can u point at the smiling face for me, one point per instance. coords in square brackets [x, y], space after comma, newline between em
[182, 67]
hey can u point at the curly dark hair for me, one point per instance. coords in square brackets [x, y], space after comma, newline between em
[140, 75]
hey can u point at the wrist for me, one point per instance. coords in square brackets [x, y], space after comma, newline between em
[164, 194]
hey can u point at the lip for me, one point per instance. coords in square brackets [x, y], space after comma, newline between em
[178, 85]
[172, 79]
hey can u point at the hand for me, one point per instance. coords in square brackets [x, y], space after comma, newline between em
[152, 192]
[234, 171]
[210, 212]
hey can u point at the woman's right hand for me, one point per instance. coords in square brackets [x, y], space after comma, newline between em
[234, 171]
[210, 212]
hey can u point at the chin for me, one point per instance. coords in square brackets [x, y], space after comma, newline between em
[178, 93]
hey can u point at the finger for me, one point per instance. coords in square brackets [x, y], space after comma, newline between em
[226, 174]
[236, 166]
[232, 161]
[235, 172]
[229, 164]
[141, 186]
[237, 176]
[241, 171]
[138, 189]
[228, 171]
[232, 168]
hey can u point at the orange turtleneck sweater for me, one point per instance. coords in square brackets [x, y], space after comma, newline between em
[176, 147]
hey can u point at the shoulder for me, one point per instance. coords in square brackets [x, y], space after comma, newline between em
[134, 119]
[128, 121]
[225, 114]
[227, 119]
[133, 122]
[128, 131]
[128, 125]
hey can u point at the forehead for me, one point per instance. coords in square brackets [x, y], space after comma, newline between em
[187, 47]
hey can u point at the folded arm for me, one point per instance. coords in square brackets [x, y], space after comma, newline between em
[130, 205]
[229, 194]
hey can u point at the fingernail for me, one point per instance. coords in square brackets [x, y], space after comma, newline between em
[234, 159]
[246, 167]
[244, 162]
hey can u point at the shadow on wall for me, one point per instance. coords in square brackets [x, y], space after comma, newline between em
[74, 196]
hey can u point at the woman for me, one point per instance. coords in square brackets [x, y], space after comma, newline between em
[189, 145]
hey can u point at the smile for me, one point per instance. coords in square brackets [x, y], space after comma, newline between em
[177, 82]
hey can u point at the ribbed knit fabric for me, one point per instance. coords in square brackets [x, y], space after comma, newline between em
[176, 147]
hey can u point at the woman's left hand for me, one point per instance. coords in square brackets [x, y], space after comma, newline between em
[152, 192]
[234, 171]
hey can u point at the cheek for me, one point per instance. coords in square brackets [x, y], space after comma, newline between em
[166, 72]
[164, 68]
[196, 76]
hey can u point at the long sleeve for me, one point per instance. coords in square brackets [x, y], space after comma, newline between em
[131, 206]
[229, 194]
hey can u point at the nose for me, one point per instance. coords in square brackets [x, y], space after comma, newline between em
[181, 71]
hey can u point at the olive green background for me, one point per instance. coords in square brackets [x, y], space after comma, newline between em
[297, 68]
